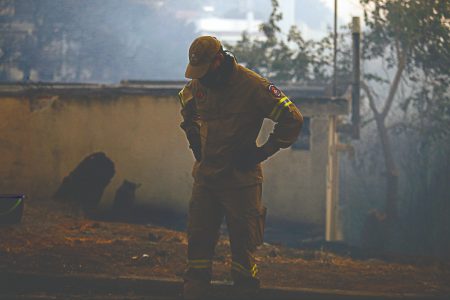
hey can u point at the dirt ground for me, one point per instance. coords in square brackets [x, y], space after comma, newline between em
[55, 241]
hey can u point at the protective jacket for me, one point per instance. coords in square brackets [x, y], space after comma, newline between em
[226, 121]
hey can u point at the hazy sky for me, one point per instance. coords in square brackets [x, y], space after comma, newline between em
[313, 17]
[346, 9]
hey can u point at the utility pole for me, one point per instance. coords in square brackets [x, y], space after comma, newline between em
[332, 225]
[335, 50]
[356, 38]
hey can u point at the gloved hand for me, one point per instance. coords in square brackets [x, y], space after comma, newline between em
[197, 152]
[195, 144]
[247, 159]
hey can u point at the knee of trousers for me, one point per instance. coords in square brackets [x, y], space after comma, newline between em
[247, 234]
[202, 235]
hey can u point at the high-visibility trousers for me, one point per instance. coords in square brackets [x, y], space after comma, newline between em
[245, 216]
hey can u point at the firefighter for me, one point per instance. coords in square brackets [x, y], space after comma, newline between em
[223, 108]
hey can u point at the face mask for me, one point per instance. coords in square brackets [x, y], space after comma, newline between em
[212, 79]
[215, 79]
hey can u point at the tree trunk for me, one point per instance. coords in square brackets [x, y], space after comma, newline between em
[388, 221]
[391, 171]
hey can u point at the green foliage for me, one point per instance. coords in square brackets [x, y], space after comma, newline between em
[417, 33]
[432, 106]
[417, 29]
[271, 29]
[294, 59]
[270, 57]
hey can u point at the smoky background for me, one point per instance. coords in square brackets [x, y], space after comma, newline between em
[95, 41]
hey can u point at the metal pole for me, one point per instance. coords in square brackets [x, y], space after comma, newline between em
[335, 50]
[330, 215]
[356, 37]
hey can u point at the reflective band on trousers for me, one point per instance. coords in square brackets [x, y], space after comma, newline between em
[199, 263]
[244, 271]
[282, 103]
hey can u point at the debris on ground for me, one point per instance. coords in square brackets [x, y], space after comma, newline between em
[51, 240]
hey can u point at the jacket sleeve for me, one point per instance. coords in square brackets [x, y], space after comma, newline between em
[276, 106]
[190, 123]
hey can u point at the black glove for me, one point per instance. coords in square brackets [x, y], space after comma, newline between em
[195, 144]
[197, 150]
[247, 159]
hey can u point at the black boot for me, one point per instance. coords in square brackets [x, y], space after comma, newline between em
[247, 283]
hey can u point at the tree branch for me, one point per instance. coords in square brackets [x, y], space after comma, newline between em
[395, 83]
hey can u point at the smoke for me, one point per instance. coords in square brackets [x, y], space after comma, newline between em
[92, 41]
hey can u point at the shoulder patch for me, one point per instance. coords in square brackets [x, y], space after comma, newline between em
[274, 90]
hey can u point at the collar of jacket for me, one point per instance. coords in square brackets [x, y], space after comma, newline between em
[234, 72]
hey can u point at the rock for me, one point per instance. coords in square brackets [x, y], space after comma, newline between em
[124, 200]
[84, 186]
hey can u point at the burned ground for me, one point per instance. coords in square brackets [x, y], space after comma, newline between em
[51, 239]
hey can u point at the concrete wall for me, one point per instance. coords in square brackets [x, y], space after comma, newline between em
[295, 180]
[46, 134]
